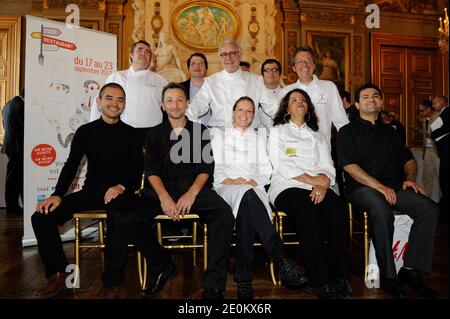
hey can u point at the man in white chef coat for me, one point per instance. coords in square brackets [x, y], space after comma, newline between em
[143, 90]
[221, 90]
[324, 94]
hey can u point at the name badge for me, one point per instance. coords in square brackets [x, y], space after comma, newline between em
[290, 151]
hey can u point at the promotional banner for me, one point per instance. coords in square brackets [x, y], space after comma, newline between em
[65, 67]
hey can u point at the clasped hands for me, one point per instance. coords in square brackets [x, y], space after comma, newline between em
[180, 208]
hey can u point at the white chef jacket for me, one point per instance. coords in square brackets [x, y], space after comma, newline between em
[327, 103]
[143, 97]
[263, 119]
[221, 90]
[238, 154]
[294, 151]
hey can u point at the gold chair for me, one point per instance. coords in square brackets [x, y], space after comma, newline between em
[278, 217]
[271, 265]
[364, 232]
[99, 216]
[162, 240]
[353, 223]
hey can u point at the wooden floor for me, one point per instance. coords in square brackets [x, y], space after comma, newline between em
[21, 272]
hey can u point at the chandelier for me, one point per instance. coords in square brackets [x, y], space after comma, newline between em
[443, 33]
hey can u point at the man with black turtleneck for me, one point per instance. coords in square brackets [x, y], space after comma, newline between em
[114, 166]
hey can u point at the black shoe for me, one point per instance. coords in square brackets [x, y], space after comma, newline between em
[291, 275]
[413, 278]
[209, 293]
[245, 290]
[326, 291]
[343, 289]
[393, 287]
[156, 281]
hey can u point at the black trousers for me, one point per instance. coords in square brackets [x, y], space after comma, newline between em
[323, 233]
[252, 219]
[14, 182]
[443, 183]
[211, 208]
[49, 241]
[420, 208]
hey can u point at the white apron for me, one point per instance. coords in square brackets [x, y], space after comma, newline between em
[233, 194]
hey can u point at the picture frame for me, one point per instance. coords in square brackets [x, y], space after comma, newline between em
[332, 55]
[203, 25]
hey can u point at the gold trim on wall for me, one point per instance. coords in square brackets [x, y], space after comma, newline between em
[10, 29]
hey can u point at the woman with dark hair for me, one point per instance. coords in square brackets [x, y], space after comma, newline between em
[242, 169]
[301, 178]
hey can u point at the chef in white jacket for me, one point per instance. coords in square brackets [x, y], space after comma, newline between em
[242, 169]
[324, 94]
[143, 90]
[222, 89]
[302, 174]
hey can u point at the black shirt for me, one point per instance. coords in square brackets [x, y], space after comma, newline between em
[113, 152]
[352, 112]
[376, 148]
[178, 160]
[13, 115]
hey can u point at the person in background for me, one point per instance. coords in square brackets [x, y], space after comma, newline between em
[440, 134]
[430, 156]
[350, 109]
[388, 118]
[323, 93]
[220, 90]
[197, 65]
[245, 66]
[271, 72]
[13, 124]
[143, 88]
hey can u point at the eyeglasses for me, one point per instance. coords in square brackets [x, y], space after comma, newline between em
[305, 61]
[272, 70]
[231, 54]
[194, 64]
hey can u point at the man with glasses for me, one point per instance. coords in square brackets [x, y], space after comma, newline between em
[143, 88]
[271, 72]
[197, 65]
[324, 94]
[221, 90]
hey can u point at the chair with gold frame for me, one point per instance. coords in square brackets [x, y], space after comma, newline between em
[163, 241]
[288, 238]
[99, 217]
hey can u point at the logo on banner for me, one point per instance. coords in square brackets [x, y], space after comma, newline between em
[50, 44]
[43, 155]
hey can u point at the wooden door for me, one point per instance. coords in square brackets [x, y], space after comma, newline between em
[408, 70]
[9, 60]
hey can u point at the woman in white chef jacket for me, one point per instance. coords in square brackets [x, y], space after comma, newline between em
[242, 169]
[302, 175]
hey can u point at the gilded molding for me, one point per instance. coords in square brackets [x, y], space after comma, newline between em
[358, 60]
[291, 46]
[114, 28]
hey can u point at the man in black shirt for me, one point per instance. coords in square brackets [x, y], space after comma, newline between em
[179, 166]
[381, 176]
[114, 166]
